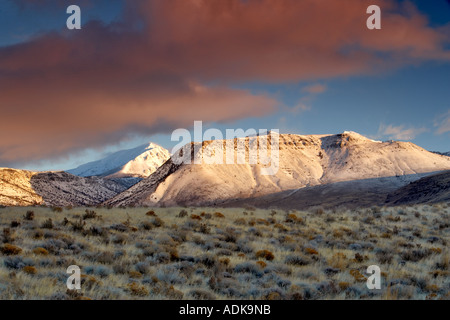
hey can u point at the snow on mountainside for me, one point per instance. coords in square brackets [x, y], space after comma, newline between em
[23, 188]
[442, 153]
[304, 161]
[138, 162]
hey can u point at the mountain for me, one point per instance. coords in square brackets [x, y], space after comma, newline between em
[350, 194]
[139, 162]
[23, 188]
[305, 161]
[442, 153]
[431, 189]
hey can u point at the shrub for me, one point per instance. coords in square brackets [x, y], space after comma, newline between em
[230, 235]
[29, 216]
[296, 260]
[137, 290]
[40, 251]
[57, 209]
[320, 211]
[98, 231]
[17, 263]
[119, 227]
[248, 267]
[358, 276]
[106, 257]
[339, 260]
[119, 239]
[88, 281]
[47, 224]
[436, 250]
[102, 271]
[183, 213]
[89, 214]
[133, 274]
[199, 294]
[358, 257]
[78, 225]
[195, 217]
[273, 295]
[206, 215]
[292, 218]
[38, 234]
[29, 270]
[343, 285]
[157, 222]
[145, 225]
[10, 250]
[281, 227]
[266, 254]
[311, 251]
[142, 267]
[54, 246]
[415, 255]
[150, 213]
[15, 224]
[121, 268]
[262, 221]
[218, 215]
[384, 257]
[7, 235]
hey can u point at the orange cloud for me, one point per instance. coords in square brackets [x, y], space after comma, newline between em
[315, 89]
[167, 63]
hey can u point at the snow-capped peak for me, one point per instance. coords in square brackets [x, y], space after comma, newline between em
[140, 162]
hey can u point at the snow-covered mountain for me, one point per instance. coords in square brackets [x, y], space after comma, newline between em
[23, 188]
[139, 162]
[305, 161]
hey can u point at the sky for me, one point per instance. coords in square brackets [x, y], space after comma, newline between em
[137, 70]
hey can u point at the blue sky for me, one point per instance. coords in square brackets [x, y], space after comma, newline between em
[409, 102]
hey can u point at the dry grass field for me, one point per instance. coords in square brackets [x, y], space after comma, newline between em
[205, 253]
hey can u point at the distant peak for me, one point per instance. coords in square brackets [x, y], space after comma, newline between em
[152, 145]
[353, 134]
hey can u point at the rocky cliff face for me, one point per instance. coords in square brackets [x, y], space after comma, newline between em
[22, 188]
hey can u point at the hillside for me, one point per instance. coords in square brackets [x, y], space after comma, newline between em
[304, 161]
[431, 189]
[23, 188]
[139, 162]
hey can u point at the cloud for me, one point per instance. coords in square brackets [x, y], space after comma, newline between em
[443, 125]
[315, 89]
[399, 132]
[310, 93]
[165, 64]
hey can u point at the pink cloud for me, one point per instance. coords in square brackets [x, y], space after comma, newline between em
[72, 90]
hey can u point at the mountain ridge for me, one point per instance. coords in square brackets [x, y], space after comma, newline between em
[56, 188]
[305, 161]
